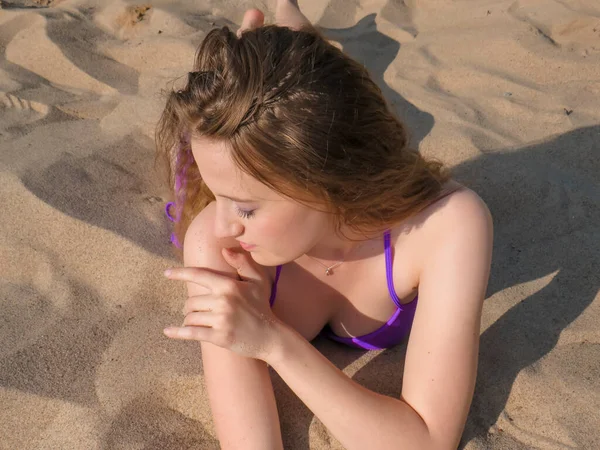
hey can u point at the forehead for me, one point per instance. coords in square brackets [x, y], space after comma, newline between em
[222, 175]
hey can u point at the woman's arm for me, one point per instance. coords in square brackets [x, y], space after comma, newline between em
[239, 388]
[441, 360]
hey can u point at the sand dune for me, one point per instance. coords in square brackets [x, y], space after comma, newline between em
[506, 92]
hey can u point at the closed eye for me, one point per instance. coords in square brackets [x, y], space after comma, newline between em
[244, 213]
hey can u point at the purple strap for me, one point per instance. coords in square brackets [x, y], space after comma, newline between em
[274, 287]
[388, 270]
[395, 329]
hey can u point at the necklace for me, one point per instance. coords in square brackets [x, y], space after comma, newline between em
[329, 269]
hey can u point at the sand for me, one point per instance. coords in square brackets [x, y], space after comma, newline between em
[505, 92]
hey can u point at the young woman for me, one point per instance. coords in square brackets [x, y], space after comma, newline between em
[302, 210]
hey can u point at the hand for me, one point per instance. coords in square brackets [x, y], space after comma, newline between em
[234, 314]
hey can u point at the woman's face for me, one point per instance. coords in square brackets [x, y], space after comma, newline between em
[273, 228]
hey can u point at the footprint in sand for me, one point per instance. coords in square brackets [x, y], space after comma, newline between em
[19, 111]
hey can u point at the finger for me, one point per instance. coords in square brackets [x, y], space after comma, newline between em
[253, 18]
[203, 277]
[189, 333]
[201, 303]
[199, 319]
[243, 263]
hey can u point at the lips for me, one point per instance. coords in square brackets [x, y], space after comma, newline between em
[246, 246]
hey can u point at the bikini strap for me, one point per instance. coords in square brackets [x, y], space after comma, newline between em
[388, 269]
[274, 286]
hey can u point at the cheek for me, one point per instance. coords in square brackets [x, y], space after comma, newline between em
[271, 233]
[291, 232]
[285, 236]
[270, 227]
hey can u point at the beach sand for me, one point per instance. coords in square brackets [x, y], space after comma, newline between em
[505, 92]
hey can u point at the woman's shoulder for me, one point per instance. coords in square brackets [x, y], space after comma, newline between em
[200, 238]
[451, 212]
[457, 198]
[454, 198]
[458, 201]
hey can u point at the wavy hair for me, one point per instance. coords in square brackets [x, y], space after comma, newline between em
[300, 116]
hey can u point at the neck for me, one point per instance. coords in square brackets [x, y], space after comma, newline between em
[333, 247]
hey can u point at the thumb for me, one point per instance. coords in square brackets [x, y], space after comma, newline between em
[243, 263]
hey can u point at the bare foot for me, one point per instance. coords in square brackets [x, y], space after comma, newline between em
[253, 18]
[288, 14]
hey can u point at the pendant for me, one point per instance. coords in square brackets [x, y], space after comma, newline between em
[328, 271]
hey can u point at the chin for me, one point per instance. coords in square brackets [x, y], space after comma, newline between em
[267, 261]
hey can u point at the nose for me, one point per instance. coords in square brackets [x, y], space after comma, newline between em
[226, 225]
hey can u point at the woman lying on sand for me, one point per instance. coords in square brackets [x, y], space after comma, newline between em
[302, 210]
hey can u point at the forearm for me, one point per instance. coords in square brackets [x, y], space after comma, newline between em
[243, 404]
[357, 417]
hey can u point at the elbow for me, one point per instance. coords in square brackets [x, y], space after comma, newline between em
[434, 441]
[441, 443]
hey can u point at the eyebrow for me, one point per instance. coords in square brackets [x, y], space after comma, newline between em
[240, 200]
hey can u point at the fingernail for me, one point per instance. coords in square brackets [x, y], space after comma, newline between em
[167, 272]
